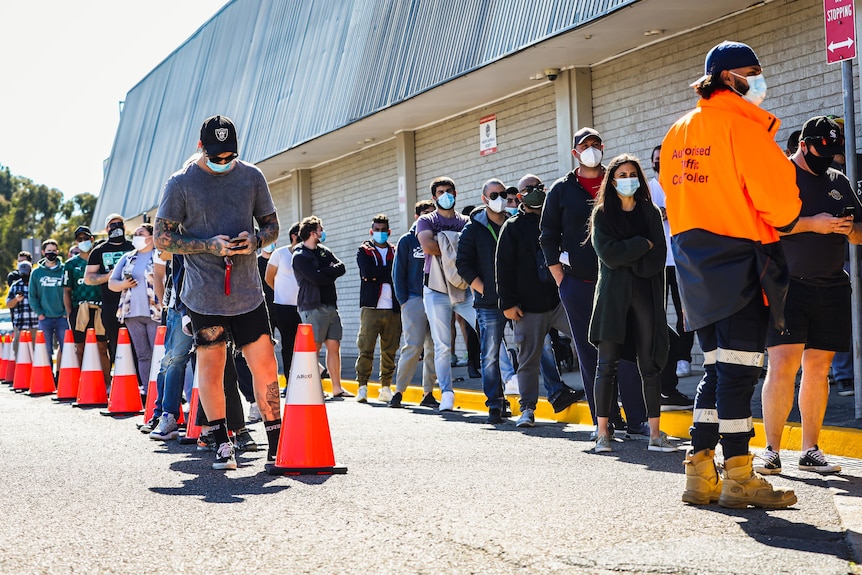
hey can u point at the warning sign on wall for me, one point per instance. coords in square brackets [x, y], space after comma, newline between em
[488, 135]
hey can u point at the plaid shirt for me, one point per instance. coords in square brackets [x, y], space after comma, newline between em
[23, 316]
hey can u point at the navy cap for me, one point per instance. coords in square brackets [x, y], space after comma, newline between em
[218, 135]
[727, 56]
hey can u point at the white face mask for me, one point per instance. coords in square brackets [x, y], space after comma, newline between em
[497, 205]
[627, 186]
[591, 157]
[140, 242]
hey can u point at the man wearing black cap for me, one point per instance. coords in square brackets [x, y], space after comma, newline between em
[573, 264]
[208, 212]
[83, 301]
[817, 311]
[729, 191]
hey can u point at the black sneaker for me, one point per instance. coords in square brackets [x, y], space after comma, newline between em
[225, 458]
[814, 460]
[244, 441]
[845, 387]
[149, 426]
[507, 409]
[495, 416]
[616, 419]
[396, 400]
[429, 401]
[205, 442]
[771, 462]
[567, 398]
[676, 401]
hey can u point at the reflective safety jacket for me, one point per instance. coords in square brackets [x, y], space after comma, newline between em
[728, 187]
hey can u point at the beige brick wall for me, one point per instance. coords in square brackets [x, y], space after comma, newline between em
[526, 143]
[346, 195]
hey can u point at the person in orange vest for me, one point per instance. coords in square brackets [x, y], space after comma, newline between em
[730, 190]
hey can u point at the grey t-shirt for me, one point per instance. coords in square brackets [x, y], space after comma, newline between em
[206, 205]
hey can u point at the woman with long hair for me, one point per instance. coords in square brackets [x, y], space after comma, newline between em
[628, 318]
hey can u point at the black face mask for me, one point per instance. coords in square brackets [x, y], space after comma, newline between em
[817, 164]
[116, 231]
[51, 256]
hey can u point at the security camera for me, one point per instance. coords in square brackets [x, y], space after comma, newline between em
[552, 73]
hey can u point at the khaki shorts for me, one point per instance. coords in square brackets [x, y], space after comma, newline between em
[325, 322]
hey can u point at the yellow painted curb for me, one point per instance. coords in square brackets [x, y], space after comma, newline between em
[840, 441]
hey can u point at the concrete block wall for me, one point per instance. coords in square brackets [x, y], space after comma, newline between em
[346, 195]
[526, 133]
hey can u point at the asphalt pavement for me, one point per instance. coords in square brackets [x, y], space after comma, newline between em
[424, 493]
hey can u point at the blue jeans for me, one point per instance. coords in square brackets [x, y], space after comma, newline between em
[169, 383]
[439, 309]
[842, 366]
[491, 322]
[54, 329]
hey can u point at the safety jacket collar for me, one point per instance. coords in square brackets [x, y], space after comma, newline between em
[735, 104]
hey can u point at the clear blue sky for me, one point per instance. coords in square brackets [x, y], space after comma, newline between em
[66, 65]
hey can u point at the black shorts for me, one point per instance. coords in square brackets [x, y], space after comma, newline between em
[241, 329]
[81, 336]
[818, 316]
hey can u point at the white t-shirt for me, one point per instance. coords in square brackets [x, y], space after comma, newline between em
[659, 200]
[286, 289]
[385, 299]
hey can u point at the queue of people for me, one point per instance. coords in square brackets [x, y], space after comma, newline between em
[749, 245]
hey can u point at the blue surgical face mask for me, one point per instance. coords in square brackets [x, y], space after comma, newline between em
[756, 88]
[323, 236]
[219, 168]
[626, 186]
[270, 248]
[380, 237]
[446, 201]
[512, 211]
[85, 246]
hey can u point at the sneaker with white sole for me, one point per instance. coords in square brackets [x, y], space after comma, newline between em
[527, 419]
[771, 462]
[254, 414]
[362, 394]
[661, 443]
[814, 460]
[683, 368]
[603, 444]
[385, 394]
[225, 458]
[167, 428]
[595, 433]
[447, 401]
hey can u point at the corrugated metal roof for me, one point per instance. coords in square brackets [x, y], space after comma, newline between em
[289, 71]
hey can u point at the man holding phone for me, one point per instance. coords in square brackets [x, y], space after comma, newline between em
[208, 211]
[817, 311]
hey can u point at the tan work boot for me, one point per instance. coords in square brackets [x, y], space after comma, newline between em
[702, 481]
[743, 487]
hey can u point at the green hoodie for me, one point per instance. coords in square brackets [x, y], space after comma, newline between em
[46, 291]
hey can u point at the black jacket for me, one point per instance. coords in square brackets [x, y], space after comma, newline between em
[375, 272]
[564, 228]
[475, 257]
[316, 271]
[523, 278]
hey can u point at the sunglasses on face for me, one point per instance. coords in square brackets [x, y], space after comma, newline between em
[504, 195]
[225, 160]
[536, 188]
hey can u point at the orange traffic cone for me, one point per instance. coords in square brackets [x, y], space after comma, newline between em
[125, 394]
[9, 375]
[42, 374]
[92, 391]
[193, 430]
[304, 445]
[70, 371]
[4, 357]
[24, 364]
[155, 366]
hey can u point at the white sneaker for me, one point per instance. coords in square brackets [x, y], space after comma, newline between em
[225, 458]
[447, 401]
[362, 394]
[254, 414]
[512, 386]
[683, 368]
[167, 428]
[385, 395]
[527, 419]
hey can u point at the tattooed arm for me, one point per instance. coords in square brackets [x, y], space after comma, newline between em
[169, 239]
[268, 231]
